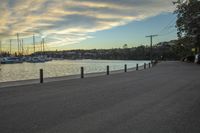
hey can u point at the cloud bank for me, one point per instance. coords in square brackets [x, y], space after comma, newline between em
[66, 22]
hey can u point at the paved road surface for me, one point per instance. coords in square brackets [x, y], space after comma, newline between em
[163, 99]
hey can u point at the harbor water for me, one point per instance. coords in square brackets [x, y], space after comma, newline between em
[56, 68]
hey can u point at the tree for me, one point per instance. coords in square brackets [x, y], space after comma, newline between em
[188, 21]
[125, 46]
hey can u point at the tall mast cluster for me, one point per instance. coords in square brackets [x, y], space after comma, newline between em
[21, 50]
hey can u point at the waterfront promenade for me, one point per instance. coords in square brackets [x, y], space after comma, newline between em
[163, 99]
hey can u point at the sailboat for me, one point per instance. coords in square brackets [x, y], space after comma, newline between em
[11, 60]
[43, 50]
[36, 59]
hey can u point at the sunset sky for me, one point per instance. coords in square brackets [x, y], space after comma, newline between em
[86, 24]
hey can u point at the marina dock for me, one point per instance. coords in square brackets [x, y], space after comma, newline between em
[162, 99]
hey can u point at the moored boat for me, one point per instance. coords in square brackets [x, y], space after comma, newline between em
[11, 60]
[36, 59]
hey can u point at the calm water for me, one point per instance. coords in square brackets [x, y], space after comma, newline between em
[13, 72]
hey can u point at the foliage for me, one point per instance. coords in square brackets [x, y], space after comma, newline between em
[160, 51]
[188, 22]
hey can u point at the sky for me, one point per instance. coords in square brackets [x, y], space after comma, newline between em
[86, 24]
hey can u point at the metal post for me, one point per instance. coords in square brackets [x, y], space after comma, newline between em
[82, 72]
[144, 65]
[41, 76]
[125, 68]
[108, 70]
[136, 66]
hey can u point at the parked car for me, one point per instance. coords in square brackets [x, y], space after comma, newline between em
[197, 58]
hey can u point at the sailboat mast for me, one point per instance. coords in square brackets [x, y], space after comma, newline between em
[10, 46]
[41, 47]
[18, 42]
[22, 46]
[27, 51]
[43, 44]
[0, 49]
[34, 43]
[0, 54]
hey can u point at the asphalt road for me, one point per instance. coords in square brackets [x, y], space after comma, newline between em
[163, 99]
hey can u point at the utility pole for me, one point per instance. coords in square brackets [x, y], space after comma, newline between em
[151, 43]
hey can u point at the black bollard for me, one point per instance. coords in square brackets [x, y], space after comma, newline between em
[144, 65]
[41, 76]
[149, 65]
[82, 72]
[108, 70]
[125, 68]
[136, 66]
